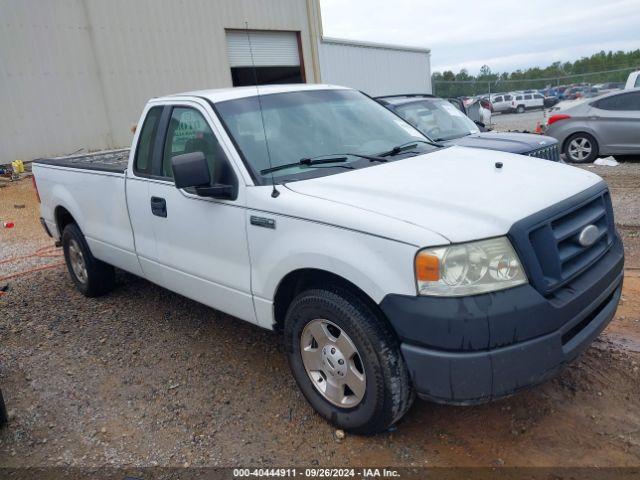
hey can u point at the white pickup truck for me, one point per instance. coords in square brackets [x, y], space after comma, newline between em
[391, 265]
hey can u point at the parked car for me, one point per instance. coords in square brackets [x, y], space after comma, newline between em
[477, 112]
[633, 81]
[501, 102]
[603, 88]
[575, 93]
[459, 104]
[607, 125]
[389, 265]
[486, 103]
[436, 119]
[561, 89]
[571, 93]
[472, 107]
[526, 101]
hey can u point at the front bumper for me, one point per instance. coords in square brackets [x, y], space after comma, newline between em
[475, 349]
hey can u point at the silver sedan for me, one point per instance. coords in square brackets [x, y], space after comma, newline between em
[596, 127]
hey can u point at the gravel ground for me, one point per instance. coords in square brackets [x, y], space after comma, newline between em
[144, 377]
[504, 122]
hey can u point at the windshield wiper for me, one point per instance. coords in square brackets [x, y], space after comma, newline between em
[455, 137]
[407, 146]
[322, 160]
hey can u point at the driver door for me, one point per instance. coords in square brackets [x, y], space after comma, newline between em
[201, 242]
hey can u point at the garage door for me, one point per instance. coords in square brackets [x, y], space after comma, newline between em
[275, 55]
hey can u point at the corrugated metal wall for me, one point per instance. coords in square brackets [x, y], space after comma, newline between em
[76, 73]
[375, 69]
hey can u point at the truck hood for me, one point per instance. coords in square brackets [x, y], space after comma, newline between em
[505, 142]
[455, 192]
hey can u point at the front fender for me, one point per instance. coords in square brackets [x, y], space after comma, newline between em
[378, 266]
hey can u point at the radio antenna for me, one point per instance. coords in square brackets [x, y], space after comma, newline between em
[274, 193]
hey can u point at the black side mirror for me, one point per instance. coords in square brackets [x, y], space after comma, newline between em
[482, 126]
[191, 170]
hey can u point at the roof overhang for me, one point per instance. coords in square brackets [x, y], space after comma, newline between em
[382, 46]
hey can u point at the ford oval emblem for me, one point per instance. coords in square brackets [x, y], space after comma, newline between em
[588, 235]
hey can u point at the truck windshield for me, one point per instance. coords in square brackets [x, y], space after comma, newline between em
[310, 124]
[437, 119]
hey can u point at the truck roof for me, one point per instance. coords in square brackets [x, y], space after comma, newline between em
[223, 94]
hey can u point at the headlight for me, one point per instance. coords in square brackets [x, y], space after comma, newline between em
[468, 268]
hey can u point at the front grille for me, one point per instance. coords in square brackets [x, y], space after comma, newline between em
[547, 153]
[548, 242]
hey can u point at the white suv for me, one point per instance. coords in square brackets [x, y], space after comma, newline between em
[526, 101]
[501, 102]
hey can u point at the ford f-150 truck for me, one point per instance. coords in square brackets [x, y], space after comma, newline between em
[392, 266]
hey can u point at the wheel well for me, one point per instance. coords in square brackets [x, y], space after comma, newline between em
[299, 280]
[63, 218]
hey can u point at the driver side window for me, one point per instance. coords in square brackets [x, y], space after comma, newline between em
[189, 132]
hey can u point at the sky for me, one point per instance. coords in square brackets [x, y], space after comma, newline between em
[503, 34]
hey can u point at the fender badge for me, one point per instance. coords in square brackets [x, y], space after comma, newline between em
[263, 222]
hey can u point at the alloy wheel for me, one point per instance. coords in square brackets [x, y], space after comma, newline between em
[579, 149]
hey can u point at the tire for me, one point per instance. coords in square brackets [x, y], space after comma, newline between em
[580, 148]
[4, 416]
[379, 391]
[520, 109]
[90, 275]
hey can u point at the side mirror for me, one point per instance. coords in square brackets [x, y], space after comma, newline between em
[481, 126]
[191, 170]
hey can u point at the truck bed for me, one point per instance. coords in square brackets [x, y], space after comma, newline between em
[114, 161]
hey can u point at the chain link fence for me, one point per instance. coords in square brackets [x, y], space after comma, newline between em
[483, 86]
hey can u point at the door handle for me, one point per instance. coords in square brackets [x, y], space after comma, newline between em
[159, 207]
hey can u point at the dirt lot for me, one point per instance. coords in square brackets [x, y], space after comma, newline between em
[144, 377]
[503, 122]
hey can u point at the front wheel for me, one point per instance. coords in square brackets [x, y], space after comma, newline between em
[581, 148]
[346, 361]
[520, 109]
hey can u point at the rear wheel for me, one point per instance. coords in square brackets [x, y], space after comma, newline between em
[346, 361]
[520, 109]
[4, 416]
[581, 148]
[90, 275]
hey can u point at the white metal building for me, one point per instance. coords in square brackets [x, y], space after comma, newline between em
[76, 73]
[375, 68]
